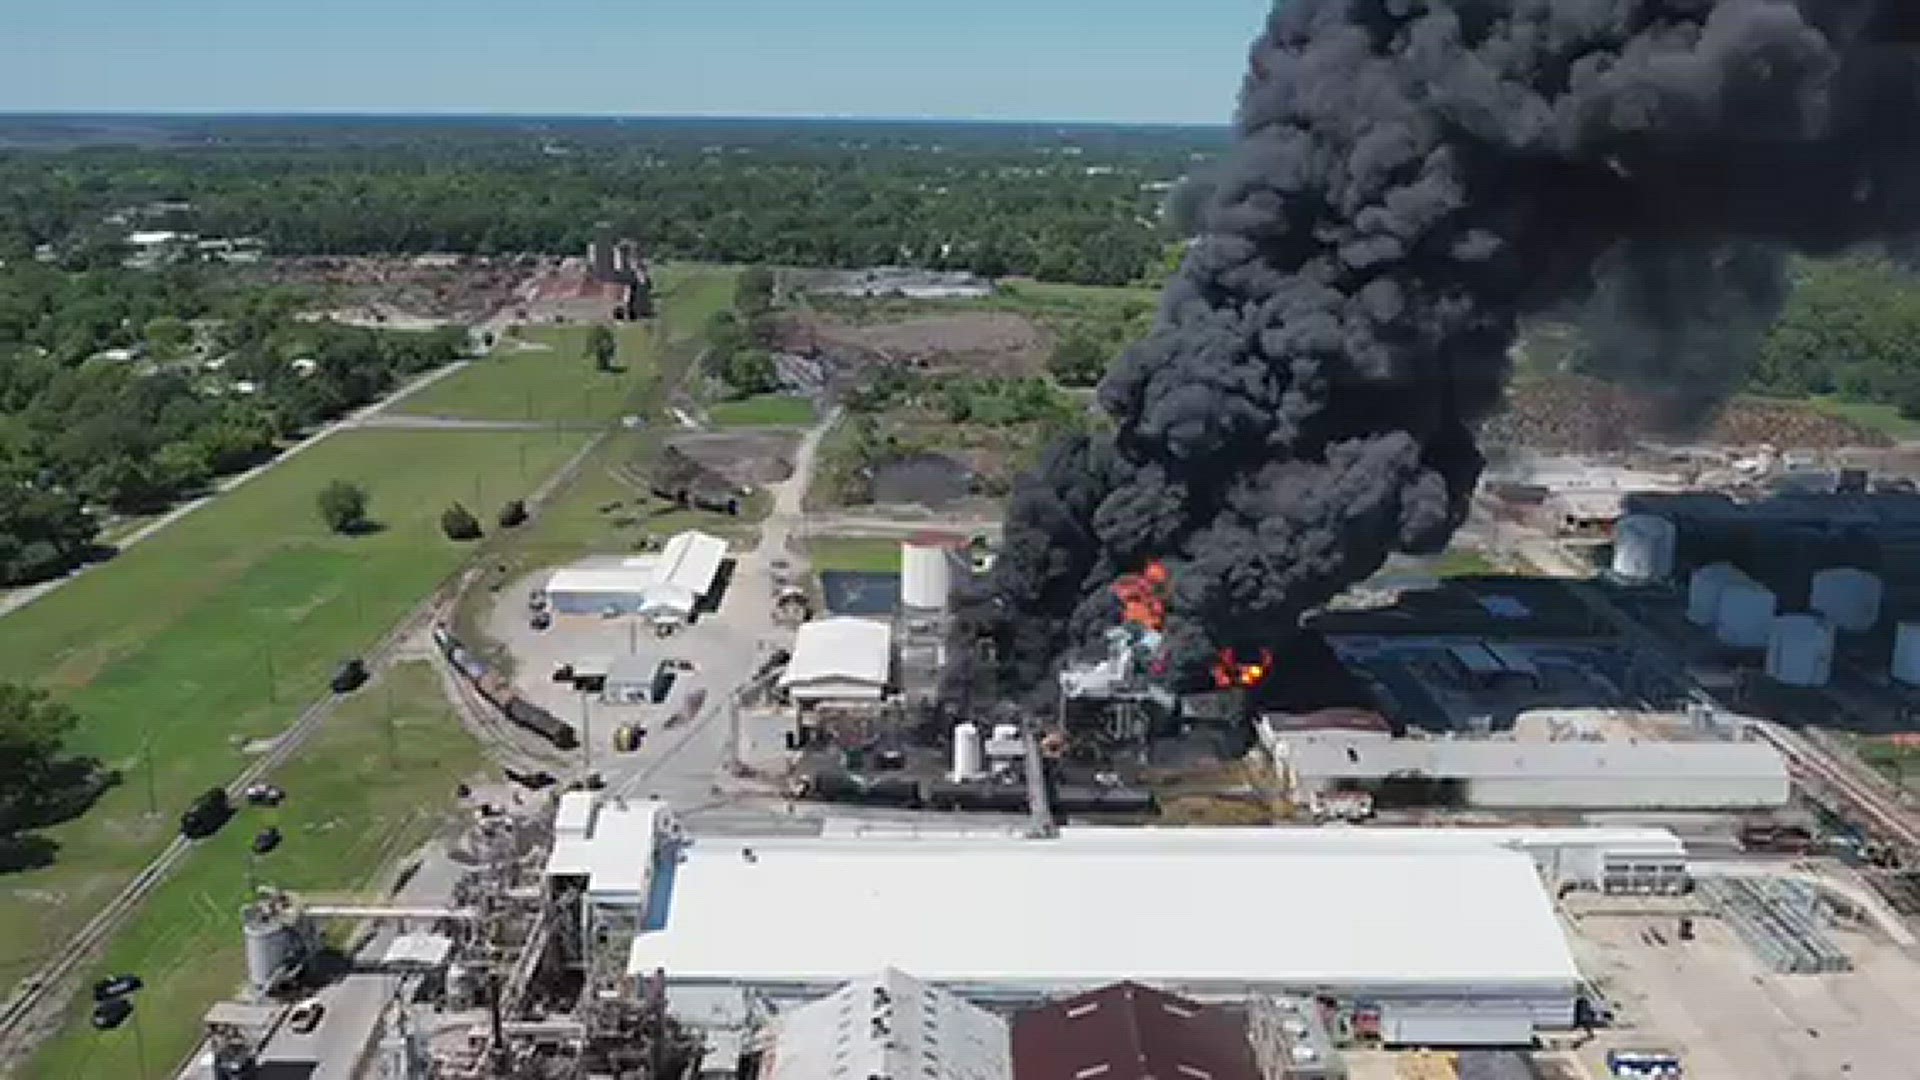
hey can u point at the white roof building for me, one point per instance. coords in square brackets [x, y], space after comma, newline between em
[841, 658]
[668, 586]
[890, 1024]
[691, 561]
[1482, 939]
[1572, 774]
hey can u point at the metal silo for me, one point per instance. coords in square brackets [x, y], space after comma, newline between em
[1848, 596]
[1643, 547]
[1745, 615]
[1704, 588]
[1800, 650]
[926, 577]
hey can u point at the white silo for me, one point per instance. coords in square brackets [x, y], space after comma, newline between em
[1848, 596]
[1800, 650]
[1704, 588]
[1745, 617]
[1906, 654]
[1643, 547]
[966, 752]
[926, 577]
[272, 940]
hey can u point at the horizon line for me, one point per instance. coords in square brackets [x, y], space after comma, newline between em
[448, 114]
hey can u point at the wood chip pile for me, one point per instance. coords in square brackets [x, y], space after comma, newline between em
[1573, 414]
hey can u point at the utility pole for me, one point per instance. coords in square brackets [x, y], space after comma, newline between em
[140, 1044]
[476, 493]
[267, 650]
[146, 747]
[393, 746]
[586, 734]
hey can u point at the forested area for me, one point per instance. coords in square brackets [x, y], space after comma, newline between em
[1079, 204]
[128, 390]
[1851, 328]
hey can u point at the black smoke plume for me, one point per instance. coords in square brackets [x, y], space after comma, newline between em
[1409, 178]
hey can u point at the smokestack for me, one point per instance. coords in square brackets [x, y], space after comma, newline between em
[1408, 179]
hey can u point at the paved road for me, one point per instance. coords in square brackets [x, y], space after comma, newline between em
[21, 597]
[401, 422]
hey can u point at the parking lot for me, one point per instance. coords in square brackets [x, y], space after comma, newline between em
[1729, 1018]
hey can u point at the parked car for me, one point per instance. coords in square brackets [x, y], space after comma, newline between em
[111, 1013]
[117, 986]
[208, 812]
[306, 1016]
[538, 780]
[260, 794]
[266, 840]
[541, 620]
[351, 675]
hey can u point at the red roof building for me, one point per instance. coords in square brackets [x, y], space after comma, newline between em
[1130, 1032]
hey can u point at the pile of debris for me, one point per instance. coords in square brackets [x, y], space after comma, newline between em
[1576, 414]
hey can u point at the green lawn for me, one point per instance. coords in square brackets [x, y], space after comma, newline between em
[1885, 419]
[854, 553]
[375, 783]
[764, 410]
[544, 375]
[1462, 562]
[223, 627]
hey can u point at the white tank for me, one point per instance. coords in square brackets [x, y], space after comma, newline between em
[1745, 618]
[1906, 654]
[1643, 546]
[271, 943]
[1006, 732]
[966, 752]
[1848, 596]
[925, 577]
[1703, 591]
[1800, 650]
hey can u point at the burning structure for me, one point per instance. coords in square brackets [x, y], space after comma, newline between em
[1408, 180]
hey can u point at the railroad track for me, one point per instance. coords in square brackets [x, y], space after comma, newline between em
[1884, 814]
[26, 1003]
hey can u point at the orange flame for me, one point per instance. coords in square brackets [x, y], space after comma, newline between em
[1142, 598]
[1229, 673]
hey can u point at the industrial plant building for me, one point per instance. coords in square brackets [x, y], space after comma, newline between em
[1509, 774]
[840, 659]
[1481, 959]
[667, 588]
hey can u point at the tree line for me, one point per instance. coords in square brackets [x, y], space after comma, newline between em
[126, 391]
[1079, 206]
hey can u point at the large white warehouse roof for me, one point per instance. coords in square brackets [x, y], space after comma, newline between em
[1497, 759]
[996, 912]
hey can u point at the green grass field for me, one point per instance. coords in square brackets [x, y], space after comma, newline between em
[375, 783]
[222, 628]
[542, 376]
[854, 553]
[764, 410]
[1885, 419]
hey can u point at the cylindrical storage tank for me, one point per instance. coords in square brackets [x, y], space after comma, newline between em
[925, 577]
[1906, 654]
[1745, 619]
[1848, 596]
[966, 752]
[1800, 650]
[1643, 546]
[270, 944]
[1703, 591]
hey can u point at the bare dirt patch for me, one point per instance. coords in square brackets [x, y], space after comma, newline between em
[402, 293]
[969, 342]
[743, 458]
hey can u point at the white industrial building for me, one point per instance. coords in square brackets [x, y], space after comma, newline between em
[840, 659]
[1479, 959]
[666, 588]
[607, 850]
[1504, 774]
[889, 1024]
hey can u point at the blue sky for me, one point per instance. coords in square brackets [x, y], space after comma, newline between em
[1173, 61]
